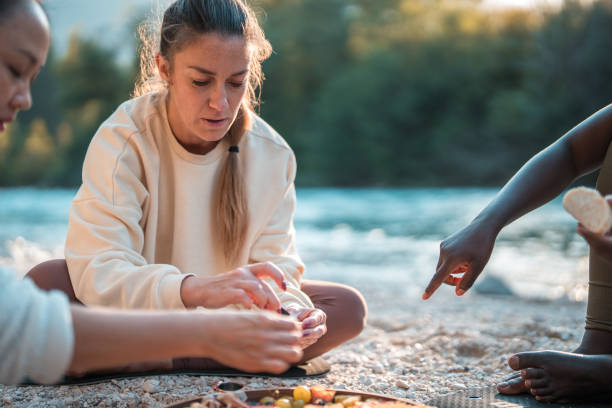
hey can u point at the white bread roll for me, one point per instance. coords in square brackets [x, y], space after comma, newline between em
[589, 208]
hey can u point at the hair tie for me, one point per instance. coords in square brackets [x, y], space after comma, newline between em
[233, 149]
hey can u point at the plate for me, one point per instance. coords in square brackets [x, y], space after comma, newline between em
[256, 395]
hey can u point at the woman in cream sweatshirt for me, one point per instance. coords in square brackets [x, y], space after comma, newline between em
[42, 336]
[188, 196]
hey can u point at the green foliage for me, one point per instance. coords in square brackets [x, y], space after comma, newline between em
[386, 92]
[37, 155]
[71, 99]
[431, 94]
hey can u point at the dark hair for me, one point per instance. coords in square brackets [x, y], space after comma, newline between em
[7, 7]
[182, 21]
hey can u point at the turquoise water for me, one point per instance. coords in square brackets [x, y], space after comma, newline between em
[380, 240]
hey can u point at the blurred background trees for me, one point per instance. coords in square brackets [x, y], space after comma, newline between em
[368, 93]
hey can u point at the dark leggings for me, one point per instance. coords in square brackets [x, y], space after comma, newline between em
[344, 306]
[599, 304]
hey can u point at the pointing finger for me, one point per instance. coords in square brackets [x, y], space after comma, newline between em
[441, 274]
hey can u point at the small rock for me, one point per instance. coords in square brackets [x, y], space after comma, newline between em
[150, 387]
[492, 285]
[400, 393]
[402, 384]
[365, 380]
[378, 369]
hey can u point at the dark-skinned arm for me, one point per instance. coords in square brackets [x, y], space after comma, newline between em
[541, 179]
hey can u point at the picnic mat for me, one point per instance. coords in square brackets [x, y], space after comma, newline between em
[490, 397]
[313, 368]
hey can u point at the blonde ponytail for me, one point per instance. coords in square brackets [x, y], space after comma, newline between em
[232, 208]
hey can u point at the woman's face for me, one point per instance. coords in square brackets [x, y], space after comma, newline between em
[23, 51]
[207, 80]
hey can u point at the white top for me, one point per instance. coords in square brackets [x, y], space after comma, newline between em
[36, 335]
[142, 220]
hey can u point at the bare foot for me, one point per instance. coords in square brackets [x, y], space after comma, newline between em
[555, 375]
[593, 342]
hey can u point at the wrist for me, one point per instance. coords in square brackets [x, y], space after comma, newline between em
[202, 328]
[191, 333]
[189, 288]
[489, 224]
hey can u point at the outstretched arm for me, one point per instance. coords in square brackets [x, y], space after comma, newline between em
[541, 179]
[104, 338]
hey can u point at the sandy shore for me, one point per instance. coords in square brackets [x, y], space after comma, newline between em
[410, 348]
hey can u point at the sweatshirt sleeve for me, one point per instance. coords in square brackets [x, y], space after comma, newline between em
[36, 336]
[276, 244]
[105, 237]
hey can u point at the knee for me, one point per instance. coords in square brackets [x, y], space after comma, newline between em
[51, 275]
[355, 318]
[44, 274]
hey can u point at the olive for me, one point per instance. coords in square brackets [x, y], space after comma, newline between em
[283, 403]
[302, 393]
[298, 403]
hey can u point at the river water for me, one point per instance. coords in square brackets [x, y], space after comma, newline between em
[379, 240]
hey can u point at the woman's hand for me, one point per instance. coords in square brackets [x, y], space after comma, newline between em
[313, 324]
[601, 244]
[251, 341]
[241, 286]
[465, 252]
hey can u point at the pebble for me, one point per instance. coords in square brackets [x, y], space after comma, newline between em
[150, 387]
[402, 384]
[399, 393]
[378, 369]
[365, 380]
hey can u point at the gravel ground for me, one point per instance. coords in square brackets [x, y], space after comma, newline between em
[411, 349]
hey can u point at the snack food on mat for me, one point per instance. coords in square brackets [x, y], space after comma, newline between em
[589, 208]
[308, 397]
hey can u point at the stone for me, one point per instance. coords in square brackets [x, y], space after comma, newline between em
[492, 285]
[150, 386]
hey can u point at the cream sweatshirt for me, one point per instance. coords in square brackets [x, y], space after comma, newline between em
[36, 335]
[142, 219]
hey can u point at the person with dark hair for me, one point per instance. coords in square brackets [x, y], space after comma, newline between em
[42, 336]
[548, 375]
[188, 196]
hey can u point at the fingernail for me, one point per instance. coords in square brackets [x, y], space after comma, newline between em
[460, 292]
[513, 362]
[503, 385]
[425, 296]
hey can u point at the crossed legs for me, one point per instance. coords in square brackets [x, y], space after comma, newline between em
[344, 306]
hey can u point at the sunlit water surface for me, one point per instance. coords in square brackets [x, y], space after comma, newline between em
[379, 240]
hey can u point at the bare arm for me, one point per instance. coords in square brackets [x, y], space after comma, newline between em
[106, 338]
[548, 173]
[541, 179]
